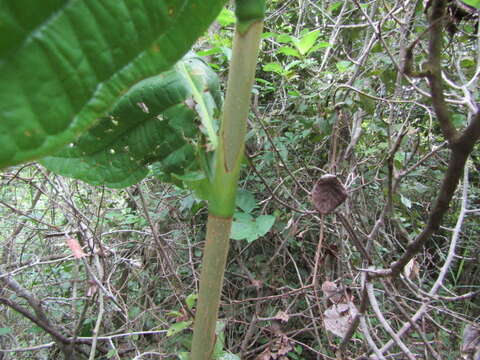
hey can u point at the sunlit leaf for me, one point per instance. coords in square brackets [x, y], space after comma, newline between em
[307, 41]
[273, 67]
[226, 17]
[190, 300]
[289, 51]
[406, 201]
[474, 3]
[178, 327]
[343, 66]
[228, 356]
[284, 38]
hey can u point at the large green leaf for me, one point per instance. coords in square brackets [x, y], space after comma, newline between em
[245, 226]
[474, 3]
[65, 63]
[167, 119]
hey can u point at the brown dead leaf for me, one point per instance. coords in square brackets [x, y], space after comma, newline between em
[471, 341]
[257, 284]
[412, 269]
[338, 318]
[282, 316]
[284, 345]
[265, 355]
[277, 350]
[328, 193]
[92, 288]
[329, 288]
[332, 292]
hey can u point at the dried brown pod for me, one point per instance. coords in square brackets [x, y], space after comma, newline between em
[328, 193]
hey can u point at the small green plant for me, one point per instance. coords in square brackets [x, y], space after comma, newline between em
[301, 47]
[246, 226]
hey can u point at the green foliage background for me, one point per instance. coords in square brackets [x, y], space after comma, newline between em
[329, 97]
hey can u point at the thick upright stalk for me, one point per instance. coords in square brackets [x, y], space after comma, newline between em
[228, 161]
[211, 280]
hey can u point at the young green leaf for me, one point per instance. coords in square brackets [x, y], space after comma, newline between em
[246, 201]
[112, 353]
[226, 17]
[474, 3]
[306, 42]
[228, 356]
[289, 51]
[285, 38]
[273, 67]
[197, 181]
[333, 8]
[191, 299]
[246, 227]
[178, 327]
[183, 355]
[343, 66]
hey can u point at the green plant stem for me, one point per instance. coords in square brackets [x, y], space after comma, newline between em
[224, 187]
[234, 122]
[211, 280]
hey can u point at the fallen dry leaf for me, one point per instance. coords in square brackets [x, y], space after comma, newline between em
[471, 342]
[282, 316]
[284, 345]
[265, 355]
[257, 284]
[76, 248]
[412, 269]
[332, 292]
[92, 288]
[338, 318]
[277, 349]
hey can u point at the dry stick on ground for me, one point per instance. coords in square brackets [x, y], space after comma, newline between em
[8, 245]
[272, 192]
[253, 322]
[101, 307]
[353, 236]
[364, 326]
[386, 326]
[315, 279]
[309, 305]
[166, 263]
[355, 322]
[86, 340]
[392, 293]
[461, 143]
[39, 317]
[443, 271]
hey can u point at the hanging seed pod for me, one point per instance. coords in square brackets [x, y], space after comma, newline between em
[328, 193]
